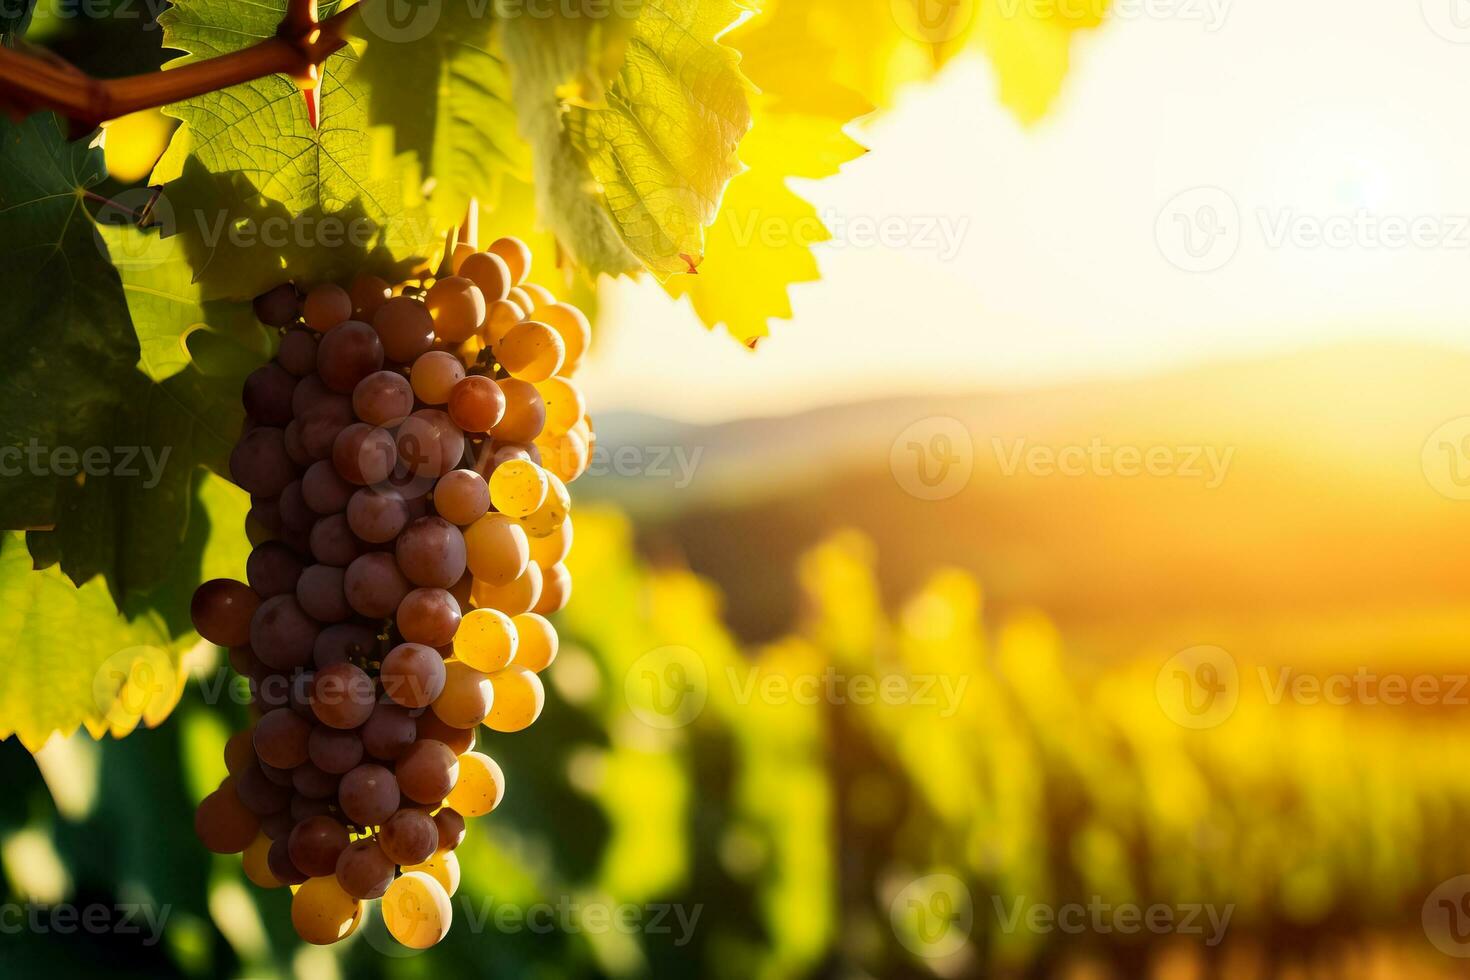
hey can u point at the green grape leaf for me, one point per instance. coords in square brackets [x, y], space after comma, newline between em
[72, 659]
[663, 143]
[446, 96]
[548, 57]
[257, 193]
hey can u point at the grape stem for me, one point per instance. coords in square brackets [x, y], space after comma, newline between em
[35, 82]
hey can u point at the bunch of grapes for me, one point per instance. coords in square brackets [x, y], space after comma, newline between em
[407, 454]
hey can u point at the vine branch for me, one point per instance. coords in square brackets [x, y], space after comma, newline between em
[34, 82]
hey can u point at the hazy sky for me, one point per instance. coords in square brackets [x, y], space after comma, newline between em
[1219, 178]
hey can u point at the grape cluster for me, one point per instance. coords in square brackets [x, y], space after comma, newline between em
[407, 453]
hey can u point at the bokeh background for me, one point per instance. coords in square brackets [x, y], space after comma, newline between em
[1076, 586]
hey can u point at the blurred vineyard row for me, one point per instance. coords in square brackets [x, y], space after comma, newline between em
[882, 793]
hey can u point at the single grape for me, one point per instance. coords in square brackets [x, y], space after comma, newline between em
[457, 306]
[518, 597]
[426, 771]
[567, 454]
[298, 696]
[541, 297]
[369, 795]
[576, 333]
[221, 611]
[326, 306]
[375, 586]
[348, 353]
[531, 351]
[363, 870]
[296, 517]
[322, 595]
[496, 549]
[345, 642]
[434, 375]
[556, 590]
[466, 698]
[431, 726]
[363, 454]
[321, 424]
[376, 515]
[443, 867]
[343, 696]
[334, 751]
[383, 398]
[431, 552]
[480, 787]
[416, 910]
[280, 738]
[296, 445]
[333, 543]
[428, 616]
[410, 836]
[516, 255]
[315, 845]
[405, 327]
[462, 497]
[489, 272]
[389, 731]
[518, 488]
[368, 294]
[272, 569]
[519, 698]
[278, 307]
[255, 862]
[429, 444]
[222, 823]
[450, 827]
[311, 780]
[565, 404]
[323, 488]
[239, 752]
[525, 412]
[278, 859]
[486, 640]
[476, 403]
[282, 634]
[537, 641]
[267, 394]
[322, 912]
[413, 675]
[298, 352]
[549, 517]
[259, 463]
[500, 317]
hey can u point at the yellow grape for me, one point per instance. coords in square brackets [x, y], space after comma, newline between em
[513, 599]
[553, 548]
[556, 590]
[496, 549]
[531, 351]
[518, 487]
[486, 640]
[541, 297]
[553, 510]
[519, 698]
[523, 299]
[565, 404]
[489, 272]
[566, 454]
[462, 251]
[480, 787]
[257, 869]
[323, 913]
[537, 642]
[443, 867]
[500, 316]
[416, 910]
[575, 330]
[466, 698]
[434, 375]
[458, 308]
[517, 257]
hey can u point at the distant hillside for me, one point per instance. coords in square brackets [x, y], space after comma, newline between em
[1324, 514]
